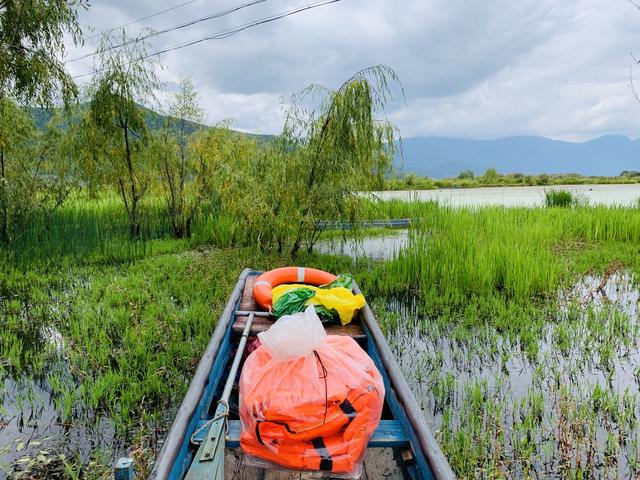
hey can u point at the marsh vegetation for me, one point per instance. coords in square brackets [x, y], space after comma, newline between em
[119, 243]
[517, 328]
[519, 331]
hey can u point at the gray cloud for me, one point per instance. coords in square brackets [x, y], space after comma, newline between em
[470, 69]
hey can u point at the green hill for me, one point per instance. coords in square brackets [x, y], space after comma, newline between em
[155, 121]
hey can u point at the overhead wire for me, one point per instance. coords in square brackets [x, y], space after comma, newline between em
[175, 7]
[224, 33]
[211, 16]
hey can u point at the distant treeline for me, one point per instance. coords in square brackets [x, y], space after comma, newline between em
[491, 178]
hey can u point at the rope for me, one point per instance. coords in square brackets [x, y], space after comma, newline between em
[208, 423]
[326, 393]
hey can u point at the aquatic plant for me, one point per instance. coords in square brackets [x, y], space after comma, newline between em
[562, 198]
[531, 310]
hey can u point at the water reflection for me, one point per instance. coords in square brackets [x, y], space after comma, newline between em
[380, 247]
[582, 387]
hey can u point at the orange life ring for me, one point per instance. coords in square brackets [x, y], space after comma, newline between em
[266, 281]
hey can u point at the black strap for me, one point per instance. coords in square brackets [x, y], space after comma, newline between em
[258, 432]
[326, 463]
[347, 409]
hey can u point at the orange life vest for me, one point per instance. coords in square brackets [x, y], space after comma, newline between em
[292, 418]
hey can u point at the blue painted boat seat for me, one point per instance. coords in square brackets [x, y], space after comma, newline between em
[389, 434]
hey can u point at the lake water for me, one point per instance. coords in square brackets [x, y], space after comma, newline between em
[380, 247]
[517, 196]
[587, 362]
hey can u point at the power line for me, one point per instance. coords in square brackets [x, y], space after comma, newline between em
[142, 19]
[219, 14]
[224, 33]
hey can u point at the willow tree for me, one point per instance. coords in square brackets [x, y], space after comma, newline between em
[221, 179]
[124, 79]
[181, 168]
[333, 151]
[32, 44]
[17, 133]
[57, 166]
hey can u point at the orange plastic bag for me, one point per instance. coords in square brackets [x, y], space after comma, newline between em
[311, 410]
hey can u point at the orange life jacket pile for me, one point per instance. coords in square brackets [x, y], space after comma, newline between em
[314, 413]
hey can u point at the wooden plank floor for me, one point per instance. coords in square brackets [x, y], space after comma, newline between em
[379, 464]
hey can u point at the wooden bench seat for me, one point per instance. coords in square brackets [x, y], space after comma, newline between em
[388, 434]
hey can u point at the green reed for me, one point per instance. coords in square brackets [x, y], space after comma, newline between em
[517, 255]
[538, 360]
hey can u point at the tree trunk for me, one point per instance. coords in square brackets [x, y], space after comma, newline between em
[134, 224]
[4, 228]
[315, 234]
[182, 215]
[296, 245]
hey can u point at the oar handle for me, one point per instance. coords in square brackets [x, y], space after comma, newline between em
[209, 460]
[226, 393]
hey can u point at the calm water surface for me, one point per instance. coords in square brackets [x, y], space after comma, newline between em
[517, 196]
[380, 247]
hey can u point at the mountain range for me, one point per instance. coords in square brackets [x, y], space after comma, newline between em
[439, 157]
[153, 119]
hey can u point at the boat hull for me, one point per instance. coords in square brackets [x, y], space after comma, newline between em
[403, 433]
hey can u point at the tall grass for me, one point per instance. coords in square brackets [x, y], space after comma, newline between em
[454, 254]
[522, 369]
[133, 331]
[94, 230]
[496, 264]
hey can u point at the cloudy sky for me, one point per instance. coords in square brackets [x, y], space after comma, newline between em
[472, 69]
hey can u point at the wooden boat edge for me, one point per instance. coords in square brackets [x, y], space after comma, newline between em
[435, 456]
[174, 440]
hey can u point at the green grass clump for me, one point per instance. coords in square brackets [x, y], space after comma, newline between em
[561, 198]
[558, 198]
[456, 256]
[94, 230]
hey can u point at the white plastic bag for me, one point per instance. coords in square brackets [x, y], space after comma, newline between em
[294, 336]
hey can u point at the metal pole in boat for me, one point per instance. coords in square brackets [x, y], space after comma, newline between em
[209, 460]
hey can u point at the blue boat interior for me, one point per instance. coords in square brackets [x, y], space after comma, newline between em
[395, 430]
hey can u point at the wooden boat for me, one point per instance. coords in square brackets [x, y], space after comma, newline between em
[401, 447]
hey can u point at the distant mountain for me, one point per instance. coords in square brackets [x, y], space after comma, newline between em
[439, 157]
[154, 120]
